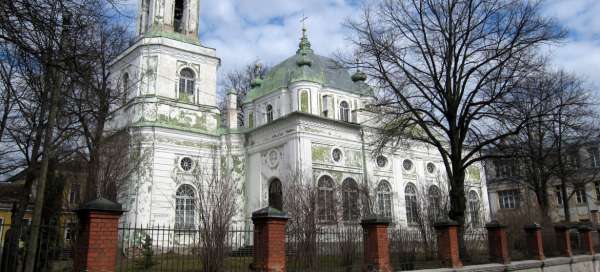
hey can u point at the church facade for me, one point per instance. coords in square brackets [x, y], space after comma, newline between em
[303, 122]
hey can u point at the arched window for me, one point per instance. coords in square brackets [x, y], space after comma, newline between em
[410, 196]
[275, 195]
[304, 101]
[178, 16]
[344, 111]
[474, 208]
[434, 197]
[187, 80]
[125, 85]
[250, 120]
[384, 199]
[185, 210]
[325, 204]
[350, 198]
[269, 113]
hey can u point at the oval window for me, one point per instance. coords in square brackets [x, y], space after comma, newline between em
[407, 164]
[186, 164]
[382, 161]
[336, 154]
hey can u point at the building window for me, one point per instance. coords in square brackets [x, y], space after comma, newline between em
[594, 157]
[430, 168]
[325, 199]
[508, 199]
[505, 169]
[381, 161]
[250, 120]
[580, 196]
[410, 196]
[187, 81]
[269, 113]
[474, 208]
[186, 164]
[559, 197]
[326, 104]
[407, 165]
[435, 199]
[350, 198]
[125, 85]
[304, 101]
[384, 199]
[597, 187]
[276, 195]
[336, 154]
[185, 207]
[178, 16]
[344, 111]
[74, 194]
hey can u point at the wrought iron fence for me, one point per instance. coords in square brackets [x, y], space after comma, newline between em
[517, 244]
[413, 249]
[55, 247]
[324, 248]
[476, 246]
[166, 248]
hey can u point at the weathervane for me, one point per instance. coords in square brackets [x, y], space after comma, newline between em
[303, 20]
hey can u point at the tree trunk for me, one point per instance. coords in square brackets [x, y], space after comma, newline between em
[41, 184]
[565, 197]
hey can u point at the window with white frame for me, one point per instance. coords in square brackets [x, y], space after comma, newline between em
[325, 199]
[185, 209]
[580, 196]
[384, 199]
[344, 111]
[410, 197]
[74, 194]
[559, 195]
[350, 199]
[269, 113]
[434, 197]
[509, 199]
[474, 208]
[187, 81]
[597, 187]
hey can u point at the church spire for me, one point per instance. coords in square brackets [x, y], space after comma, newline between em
[304, 46]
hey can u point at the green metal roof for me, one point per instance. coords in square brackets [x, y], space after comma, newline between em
[305, 65]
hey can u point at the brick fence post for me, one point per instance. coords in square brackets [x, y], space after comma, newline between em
[563, 239]
[498, 242]
[535, 242]
[447, 243]
[586, 236]
[376, 245]
[269, 240]
[96, 249]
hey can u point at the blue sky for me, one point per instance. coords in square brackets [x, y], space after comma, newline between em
[243, 31]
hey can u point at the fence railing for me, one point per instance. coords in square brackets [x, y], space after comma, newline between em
[412, 249]
[324, 248]
[167, 248]
[55, 247]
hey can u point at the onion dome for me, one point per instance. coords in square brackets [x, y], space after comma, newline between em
[359, 76]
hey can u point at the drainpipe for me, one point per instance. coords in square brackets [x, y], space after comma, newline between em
[365, 174]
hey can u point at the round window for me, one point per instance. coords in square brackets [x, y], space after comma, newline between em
[336, 154]
[430, 167]
[186, 163]
[381, 161]
[407, 164]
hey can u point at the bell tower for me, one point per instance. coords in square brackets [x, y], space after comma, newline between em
[173, 16]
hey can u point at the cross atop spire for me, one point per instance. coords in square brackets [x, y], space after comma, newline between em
[304, 46]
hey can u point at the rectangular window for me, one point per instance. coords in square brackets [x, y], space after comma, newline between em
[580, 196]
[509, 199]
[594, 157]
[74, 194]
[597, 185]
[559, 198]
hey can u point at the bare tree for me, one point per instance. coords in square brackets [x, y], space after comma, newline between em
[559, 125]
[240, 81]
[443, 67]
[216, 206]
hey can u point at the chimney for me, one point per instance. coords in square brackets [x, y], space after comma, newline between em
[231, 110]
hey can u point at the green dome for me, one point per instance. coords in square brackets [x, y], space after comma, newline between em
[305, 65]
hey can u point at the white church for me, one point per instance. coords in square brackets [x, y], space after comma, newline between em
[306, 115]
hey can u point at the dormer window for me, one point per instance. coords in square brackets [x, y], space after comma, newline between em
[187, 81]
[269, 113]
[344, 111]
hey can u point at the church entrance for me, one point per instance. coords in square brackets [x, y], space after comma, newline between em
[275, 195]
